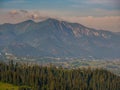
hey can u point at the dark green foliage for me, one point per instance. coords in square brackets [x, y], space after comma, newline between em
[24, 88]
[52, 78]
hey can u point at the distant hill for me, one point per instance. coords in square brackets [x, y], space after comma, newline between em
[56, 38]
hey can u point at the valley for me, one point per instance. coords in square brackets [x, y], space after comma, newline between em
[69, 63]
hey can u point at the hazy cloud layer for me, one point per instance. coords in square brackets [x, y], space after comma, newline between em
[15, 16]
[111, 23]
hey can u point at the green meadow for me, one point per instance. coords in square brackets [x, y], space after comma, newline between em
[5, 86]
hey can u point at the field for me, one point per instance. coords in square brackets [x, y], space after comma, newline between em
[5, 86]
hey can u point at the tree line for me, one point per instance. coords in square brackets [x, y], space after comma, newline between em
[36, 77]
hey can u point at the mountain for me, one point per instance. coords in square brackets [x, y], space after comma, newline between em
[56, 38]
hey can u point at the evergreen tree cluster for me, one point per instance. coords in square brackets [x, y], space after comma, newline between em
[52, 78]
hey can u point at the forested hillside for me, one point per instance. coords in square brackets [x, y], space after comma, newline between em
[57, 78]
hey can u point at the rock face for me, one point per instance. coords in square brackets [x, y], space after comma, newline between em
[58, 39]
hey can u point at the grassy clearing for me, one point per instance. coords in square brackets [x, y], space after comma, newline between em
[5, 86]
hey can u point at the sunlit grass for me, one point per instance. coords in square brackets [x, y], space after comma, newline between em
[5, 86]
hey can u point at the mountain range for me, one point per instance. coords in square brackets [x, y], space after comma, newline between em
[55, 38]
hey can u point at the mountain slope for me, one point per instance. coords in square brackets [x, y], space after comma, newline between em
[58, 39]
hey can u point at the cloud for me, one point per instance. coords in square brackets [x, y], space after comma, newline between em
[24, 11]
[111, 22]
[15, 16]
[13, 12]
[33, 16]
[100, 4]
[96, 1]
[14, 1]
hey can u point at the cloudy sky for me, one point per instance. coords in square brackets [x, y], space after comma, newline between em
[99, 14]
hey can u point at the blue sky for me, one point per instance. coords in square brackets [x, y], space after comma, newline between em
[105, 12]
[84, 6]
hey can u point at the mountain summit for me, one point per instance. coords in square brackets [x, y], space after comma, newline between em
[56, 38]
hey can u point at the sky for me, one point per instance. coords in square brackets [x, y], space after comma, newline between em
[99, 14]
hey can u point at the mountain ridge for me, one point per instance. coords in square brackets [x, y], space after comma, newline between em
[56, 38]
